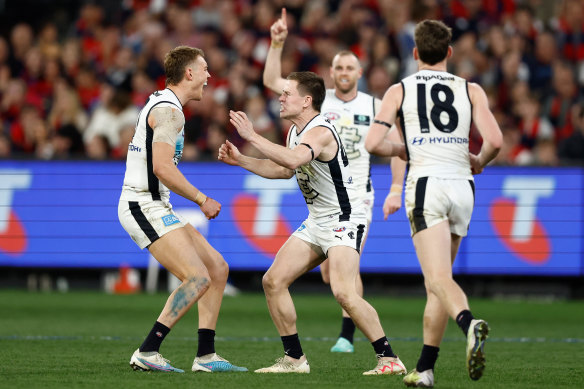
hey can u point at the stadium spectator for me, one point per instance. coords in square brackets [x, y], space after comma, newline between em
[98, 147]
[14, 97]
[559, 104]
[27, 131]
[121, 150]
[503, 41]
[571, 149]
[66, 108]
[5, 147]
[545, 153]
[540, 63]
[114, 113]
[21, 41]
[66, 143]
[533, 127]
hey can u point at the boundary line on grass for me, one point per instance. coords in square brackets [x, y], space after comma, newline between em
[277, 339]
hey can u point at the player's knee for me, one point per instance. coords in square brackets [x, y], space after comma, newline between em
[270, 283]
[344, 299]
[219, 271]
[427, 286]
[267, 282]
[437, 283]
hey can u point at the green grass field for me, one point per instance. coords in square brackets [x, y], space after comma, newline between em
[85, 340]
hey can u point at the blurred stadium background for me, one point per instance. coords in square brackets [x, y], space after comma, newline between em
[73, 76]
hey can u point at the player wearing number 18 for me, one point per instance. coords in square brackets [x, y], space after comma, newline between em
[434, 109]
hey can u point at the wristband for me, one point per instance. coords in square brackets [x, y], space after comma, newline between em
[393, 194]
[396, 188]
[276, 44]
[200, 199]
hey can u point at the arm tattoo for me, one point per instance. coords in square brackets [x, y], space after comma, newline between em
[168, 122]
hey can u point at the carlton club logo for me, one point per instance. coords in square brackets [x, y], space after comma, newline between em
[514, 218]
[13, 240]
[257, 216]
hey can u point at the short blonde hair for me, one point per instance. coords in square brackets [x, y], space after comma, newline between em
[176, 61]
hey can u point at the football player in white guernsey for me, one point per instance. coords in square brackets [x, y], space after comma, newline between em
[435, 109]
[146, 214]
[335, 225]
[352, 113]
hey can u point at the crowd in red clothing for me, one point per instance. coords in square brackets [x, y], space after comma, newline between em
[77, 94]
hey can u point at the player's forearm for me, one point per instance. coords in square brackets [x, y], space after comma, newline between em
[398, 171]
[281, 155]
[174, 180]
[385, 148]
[264, 168]
[488, 153]
[273, 69]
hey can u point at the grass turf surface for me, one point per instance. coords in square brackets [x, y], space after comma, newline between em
[85, 340]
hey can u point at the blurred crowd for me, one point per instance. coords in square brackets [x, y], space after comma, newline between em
[76, 92]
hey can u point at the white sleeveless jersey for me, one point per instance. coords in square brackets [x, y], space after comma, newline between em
[435, 116]
[327, 186]
[352, 119]
[140, 182]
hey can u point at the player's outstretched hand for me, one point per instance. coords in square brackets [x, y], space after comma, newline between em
[211, 208]
[242, 124]
[229, 154]
[279, 30]
[475, 164]
[391, 204]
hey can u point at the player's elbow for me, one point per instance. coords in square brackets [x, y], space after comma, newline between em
[291, 165]
[270, 83]
[287, 173]
[267, 80]
[498, 141]
[371, 146]
[495, 141]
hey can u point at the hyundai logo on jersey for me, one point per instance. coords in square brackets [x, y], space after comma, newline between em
[418, 141]
[447, 139]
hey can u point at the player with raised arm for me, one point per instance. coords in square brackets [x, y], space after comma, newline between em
[435, 110]
[146, 214]
[351, 112]
[335, 226]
